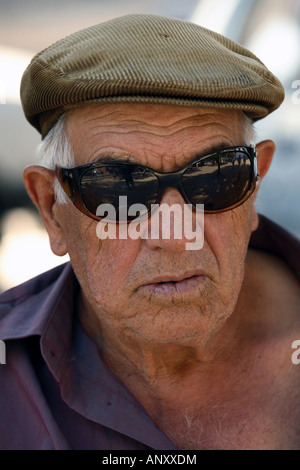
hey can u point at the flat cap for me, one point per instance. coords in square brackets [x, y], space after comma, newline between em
[146, 59]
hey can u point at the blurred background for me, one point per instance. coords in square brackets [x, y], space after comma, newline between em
[269, 28]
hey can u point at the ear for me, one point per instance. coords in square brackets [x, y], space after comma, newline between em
[39, 183]
[265, 152]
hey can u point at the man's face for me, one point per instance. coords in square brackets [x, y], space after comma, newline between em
[156, 290]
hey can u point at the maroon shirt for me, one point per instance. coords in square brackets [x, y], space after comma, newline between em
[56, 391]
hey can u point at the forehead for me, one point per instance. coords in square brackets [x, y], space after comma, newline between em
[143, 130]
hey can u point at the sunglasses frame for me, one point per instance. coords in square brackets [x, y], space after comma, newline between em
[70, 179]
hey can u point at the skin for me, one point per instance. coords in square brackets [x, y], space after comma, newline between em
[151, 333]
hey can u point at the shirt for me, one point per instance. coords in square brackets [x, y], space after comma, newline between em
[56, 391]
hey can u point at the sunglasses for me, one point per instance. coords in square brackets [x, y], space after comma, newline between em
[221, 181]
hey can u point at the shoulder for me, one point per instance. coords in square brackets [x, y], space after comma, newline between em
[19, 305]
[25, 290]
[273, 239]
[271, 273]
[272, 291]
[269, 299]
[273, 268]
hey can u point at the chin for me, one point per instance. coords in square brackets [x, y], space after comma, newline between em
[185, 328]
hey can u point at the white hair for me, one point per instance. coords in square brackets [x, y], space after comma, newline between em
[249, 130]
[56, 150]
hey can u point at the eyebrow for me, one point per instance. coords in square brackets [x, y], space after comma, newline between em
[213, 149]
[111, 158]
[115, 158]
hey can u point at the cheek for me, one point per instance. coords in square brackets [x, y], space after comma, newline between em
[102, 268]
[227, 235]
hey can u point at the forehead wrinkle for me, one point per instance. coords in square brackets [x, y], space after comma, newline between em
[135, 126]
[207, 128]
[164, 119]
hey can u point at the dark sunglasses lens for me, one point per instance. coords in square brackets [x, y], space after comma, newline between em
[219, 181]
[105, 184]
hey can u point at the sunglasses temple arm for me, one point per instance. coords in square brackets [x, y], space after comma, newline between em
[66, 180]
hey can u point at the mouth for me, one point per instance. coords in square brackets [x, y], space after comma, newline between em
[174, 285]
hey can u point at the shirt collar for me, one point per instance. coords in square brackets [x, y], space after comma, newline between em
[26, 309]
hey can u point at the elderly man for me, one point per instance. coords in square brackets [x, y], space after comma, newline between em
[139, 342]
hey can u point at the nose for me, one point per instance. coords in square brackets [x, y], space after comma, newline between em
[168, 228]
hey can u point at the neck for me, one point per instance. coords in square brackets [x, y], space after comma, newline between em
[157, 366]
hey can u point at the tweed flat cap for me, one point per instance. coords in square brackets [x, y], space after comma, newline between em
[146, 59]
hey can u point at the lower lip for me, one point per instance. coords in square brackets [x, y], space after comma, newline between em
[165, 289]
